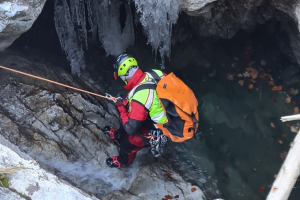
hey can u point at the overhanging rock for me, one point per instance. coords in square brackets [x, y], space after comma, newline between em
[16, 17]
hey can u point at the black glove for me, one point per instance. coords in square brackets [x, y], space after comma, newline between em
[119, 101]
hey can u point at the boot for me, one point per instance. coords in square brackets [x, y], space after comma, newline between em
[113, 162]
[111, 132]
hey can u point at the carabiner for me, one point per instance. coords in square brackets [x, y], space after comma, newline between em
[108, 96]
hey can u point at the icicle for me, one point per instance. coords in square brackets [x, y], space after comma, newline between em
[83, 21]
[157, 18]
[92, 17]
[114, 40]
[68, 37]
[78, 16]
[104, 19]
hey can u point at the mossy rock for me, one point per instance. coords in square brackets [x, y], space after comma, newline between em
[4, 182]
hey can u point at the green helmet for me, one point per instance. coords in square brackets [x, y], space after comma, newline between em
[123, 63]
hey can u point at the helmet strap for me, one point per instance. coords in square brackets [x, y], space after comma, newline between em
[131, 71]
[115, 76]
[124, 79]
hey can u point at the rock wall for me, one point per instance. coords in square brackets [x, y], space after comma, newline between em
[16, 17]
[224, 18]
[62, 131]
[207, 18]
[29, 181]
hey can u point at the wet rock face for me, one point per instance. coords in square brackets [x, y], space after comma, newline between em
[290, 7]
[53, 125]
[62, 130]
[34, 114]
[66, 121]
[9, 195]
[194, 7]
[16, 17]
[28, 181]
[223, 18]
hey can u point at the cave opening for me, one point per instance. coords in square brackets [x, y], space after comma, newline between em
[236, 150]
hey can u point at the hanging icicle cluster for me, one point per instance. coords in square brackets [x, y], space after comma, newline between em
[68, 37]
[103, 16]
[157, 18]
[104, 20]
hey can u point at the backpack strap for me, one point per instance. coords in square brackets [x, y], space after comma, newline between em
[145, 86]
[195, 122]
[154, 75]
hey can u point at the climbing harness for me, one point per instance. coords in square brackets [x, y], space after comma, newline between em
[107, 96]
[157, 141]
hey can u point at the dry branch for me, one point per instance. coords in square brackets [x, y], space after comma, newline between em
[288, 173]
[290, 118]
[10, 170]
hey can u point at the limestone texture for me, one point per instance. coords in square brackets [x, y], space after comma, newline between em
[224, 18]
[56, 134]
[16, 17]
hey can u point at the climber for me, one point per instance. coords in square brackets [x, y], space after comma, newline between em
[138, 112]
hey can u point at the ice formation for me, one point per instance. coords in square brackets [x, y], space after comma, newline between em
[157, 18]
[78, 15]
[69, 39]
[104, 20]
[103, 16]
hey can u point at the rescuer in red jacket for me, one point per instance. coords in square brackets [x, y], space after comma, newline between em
[138, 111]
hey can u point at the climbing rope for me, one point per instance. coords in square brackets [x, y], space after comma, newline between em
[107, 96]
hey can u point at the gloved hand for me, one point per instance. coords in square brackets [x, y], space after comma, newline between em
[119, 101]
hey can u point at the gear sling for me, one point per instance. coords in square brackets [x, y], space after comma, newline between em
[180, 105]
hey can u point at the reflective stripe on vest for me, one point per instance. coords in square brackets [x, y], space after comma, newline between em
[159, 73]
[149, 98]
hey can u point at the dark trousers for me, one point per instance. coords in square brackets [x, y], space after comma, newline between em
[130, 145]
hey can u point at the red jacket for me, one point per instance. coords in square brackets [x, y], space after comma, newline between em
[133, 121]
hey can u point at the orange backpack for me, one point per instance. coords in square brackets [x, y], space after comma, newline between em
[180, 105]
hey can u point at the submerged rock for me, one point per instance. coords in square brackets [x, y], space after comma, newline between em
[62, 131]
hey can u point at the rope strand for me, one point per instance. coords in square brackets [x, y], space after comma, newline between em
[57, 83]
